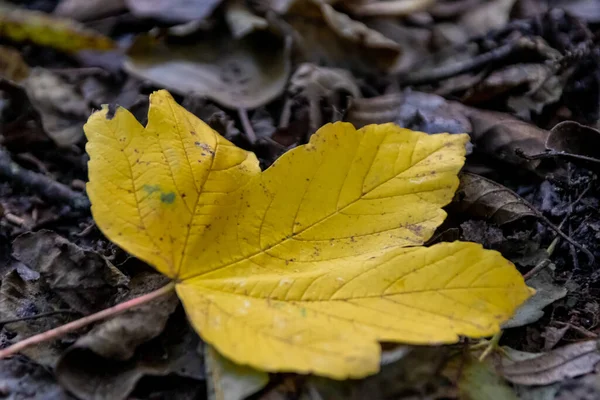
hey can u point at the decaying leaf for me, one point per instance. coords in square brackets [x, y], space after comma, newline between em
[565, 362]
[91, 376]
[61, 108]
[234, 73]
[484, 198]
[318, 258]
[479, 382]
[229, 381]
[21, 298]
[83, 279]
[23, 379]
[63, 34]
[332, 37]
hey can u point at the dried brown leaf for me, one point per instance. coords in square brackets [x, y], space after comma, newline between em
[62, 109]
[234, 73]
[82, 278]
[574, 138]
[566, 362]
[331, 37]
[484, 198]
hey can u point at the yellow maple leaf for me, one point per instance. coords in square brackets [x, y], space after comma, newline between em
[306, 266]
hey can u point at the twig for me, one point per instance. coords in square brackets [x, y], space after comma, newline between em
[448, 71]
[62, 330]
[42, 185]
[248, 130]
[41, 315]
[540, 266]
[552, 154]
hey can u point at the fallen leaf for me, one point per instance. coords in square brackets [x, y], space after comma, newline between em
[479, 382]
[234, 73]
[414, 110]
[406, 371]
[586, 10]
[173, 10]
[501, 135]
[327, 36]
[83, 10]
[546, 293]
[307, 257]
[21, 25]
[229, 381]
[22, 298]
[61, 108]
[570, 137]
[241, 20]
[317, 87]
[496, 134]
[83, 279]
[119, 337]
[484, 198]
[585, 388]
[565, 362]
[23, 379]
[12, 65]
[89, 375]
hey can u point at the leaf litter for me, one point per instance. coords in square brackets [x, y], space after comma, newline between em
[519, 78]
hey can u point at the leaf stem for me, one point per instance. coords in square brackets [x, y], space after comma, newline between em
[80, 323]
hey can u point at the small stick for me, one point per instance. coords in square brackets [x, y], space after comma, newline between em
[40, 184]
[62, 330]
[248, 130]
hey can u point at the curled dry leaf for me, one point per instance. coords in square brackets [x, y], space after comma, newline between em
[414, 110]
[570, 137]
[331, 37]
[320, 257]
[566, 362]
[313, 85]
[484, 198]
[44, 30]
[234, 73]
